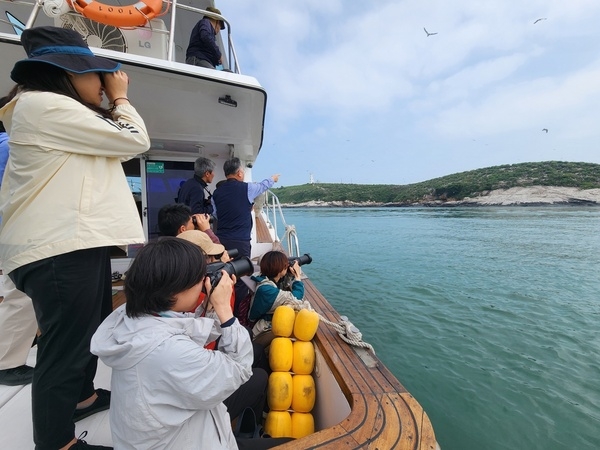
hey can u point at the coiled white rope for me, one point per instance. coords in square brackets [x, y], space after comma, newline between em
[348, 332]
[345, 329]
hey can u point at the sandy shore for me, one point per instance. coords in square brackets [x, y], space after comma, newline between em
[517, 196]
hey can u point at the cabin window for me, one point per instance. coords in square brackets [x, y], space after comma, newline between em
[163, 180]
[134, 180]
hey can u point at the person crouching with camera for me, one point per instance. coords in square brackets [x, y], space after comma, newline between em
[268, 296]
[253, 393]
[168, 390]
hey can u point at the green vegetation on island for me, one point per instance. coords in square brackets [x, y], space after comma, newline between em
[451, 187]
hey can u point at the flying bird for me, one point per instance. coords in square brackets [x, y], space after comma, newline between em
[428, 33]
[543, 18]
[545, 129]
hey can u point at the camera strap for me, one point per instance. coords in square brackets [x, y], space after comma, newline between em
[208, 192]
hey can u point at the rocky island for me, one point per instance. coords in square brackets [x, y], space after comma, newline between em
[516, 196]
[525, 184]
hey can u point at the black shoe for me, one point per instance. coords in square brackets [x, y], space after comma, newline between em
[102, 403]
[81, 444]
[16, 376]
[246, 426]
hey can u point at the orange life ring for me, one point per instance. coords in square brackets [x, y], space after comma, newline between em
[119, 16]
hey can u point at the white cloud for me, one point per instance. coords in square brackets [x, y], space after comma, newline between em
[542, 101]
[335, 71]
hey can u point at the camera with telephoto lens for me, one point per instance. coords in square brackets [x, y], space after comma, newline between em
[304, 259]
[288, 279]
[238, 267]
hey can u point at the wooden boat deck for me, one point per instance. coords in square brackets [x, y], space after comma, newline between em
[262, 230]
[383, 414]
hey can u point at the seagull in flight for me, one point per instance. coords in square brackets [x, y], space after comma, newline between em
[545, 129]
[543, 18]
[428, 33]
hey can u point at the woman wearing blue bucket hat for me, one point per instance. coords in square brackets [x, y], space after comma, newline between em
[65, 201]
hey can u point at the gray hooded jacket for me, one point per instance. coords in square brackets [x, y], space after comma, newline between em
[167, 389]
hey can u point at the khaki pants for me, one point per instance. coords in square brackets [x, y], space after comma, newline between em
[18, 326]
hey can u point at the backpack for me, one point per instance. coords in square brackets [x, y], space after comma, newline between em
[244, 290]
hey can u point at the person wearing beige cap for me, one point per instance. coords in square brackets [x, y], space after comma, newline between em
[215, 252]
[251, 394]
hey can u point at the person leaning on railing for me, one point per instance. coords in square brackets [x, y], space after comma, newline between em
[203, 50]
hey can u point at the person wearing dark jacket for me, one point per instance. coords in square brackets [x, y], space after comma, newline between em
[203, 50]
[194, 192]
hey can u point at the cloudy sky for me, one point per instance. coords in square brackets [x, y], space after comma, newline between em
[358, 93]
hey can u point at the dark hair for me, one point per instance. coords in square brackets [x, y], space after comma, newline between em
[49, 78]
[161, 270]
[272, 263]
[231, 166]
[172, 217]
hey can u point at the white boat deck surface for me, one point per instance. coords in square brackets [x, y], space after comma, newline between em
[16, 429]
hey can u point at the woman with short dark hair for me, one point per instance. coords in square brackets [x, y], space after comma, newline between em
[151, 288]
[268, 296]
[168, 390]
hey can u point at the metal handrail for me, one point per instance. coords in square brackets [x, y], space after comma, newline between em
[272, 209]
[232, 60]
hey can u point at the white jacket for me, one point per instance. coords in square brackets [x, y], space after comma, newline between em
[167, 389]
[64, 188]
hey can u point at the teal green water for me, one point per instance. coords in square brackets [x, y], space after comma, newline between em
[488, 316]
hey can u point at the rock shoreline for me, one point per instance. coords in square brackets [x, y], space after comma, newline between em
[516, 196]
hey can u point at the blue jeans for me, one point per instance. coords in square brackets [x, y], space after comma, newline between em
[71, 295]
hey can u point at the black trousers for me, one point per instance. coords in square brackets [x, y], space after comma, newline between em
[252, 393]
[244, 247]
[71, 295]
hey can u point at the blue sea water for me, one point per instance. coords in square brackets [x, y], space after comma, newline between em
[488, 316]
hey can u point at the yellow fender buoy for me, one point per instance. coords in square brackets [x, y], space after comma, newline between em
[278, 424]
[306, 325]
[279, 391]
[303, 424]
[281, 354]
[304, 393]
[282, 323]
[304, 358]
